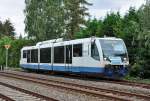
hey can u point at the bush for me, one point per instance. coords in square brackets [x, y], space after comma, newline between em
[136, 70]
[13, 52]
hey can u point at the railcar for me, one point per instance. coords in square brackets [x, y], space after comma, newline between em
[106, 57]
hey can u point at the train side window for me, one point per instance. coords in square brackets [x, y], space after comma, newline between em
[59, 54]
[28, 56]
[77, 50]
[34, 56]
[45, 55]
[94, 52]
[24, 53]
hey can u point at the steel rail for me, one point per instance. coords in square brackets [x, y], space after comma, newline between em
[4, 97]
[103, 94]
[116, 81]
[121, 93]
[28, 92]
[143, 85]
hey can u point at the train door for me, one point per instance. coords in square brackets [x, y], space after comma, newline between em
[38, 58]
[45, 58]
[24, 57]
[68, 57]
[52, 57]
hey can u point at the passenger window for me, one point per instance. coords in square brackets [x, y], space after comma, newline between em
[34, 56]
[77, 50]
[45, 55]
[25, 54]
[59, 54]
[28, 56]
[94, 52]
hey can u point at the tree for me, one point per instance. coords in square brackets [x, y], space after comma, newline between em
[93, 27]
[4, 41]
[112, 25]
[130, 30]
[7, 29]
[47, 19]
[55, 24]
[144, 40]
[44, 19]
[1, 28]
[14, 50]
[75, 12]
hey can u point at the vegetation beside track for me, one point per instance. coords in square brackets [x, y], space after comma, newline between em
[137, 79]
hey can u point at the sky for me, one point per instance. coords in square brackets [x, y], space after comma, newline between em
[13, 10]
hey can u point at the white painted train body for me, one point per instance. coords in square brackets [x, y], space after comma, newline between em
[104, 56]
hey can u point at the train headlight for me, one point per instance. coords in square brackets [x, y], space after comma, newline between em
[105, 59]
[125, 59]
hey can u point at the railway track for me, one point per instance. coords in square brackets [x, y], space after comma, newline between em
[5, 98]
[95, 91]
[115, 81]
[107, 80]
[20, 94]
[134, 84]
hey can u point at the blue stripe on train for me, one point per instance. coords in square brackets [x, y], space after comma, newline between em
[63, 68]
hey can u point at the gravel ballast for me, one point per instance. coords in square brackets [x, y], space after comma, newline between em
[66, 95]
[99, 84]
[59, 94]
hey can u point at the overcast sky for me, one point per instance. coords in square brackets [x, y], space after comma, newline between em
[13, 10]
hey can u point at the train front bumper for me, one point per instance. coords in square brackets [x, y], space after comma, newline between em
[116, 70]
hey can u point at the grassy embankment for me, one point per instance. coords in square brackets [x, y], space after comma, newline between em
[137, 79]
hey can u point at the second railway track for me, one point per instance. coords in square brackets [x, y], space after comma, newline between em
[95, 91]
[129, 83]
[5, 98]
[13, 93]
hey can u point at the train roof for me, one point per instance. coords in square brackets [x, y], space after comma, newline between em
[60, 41]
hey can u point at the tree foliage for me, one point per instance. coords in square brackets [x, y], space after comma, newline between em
[4, 41]
[47, 19]
[75, 11]
[92, 28]
[144, 40]
[112, 25]
[7, 28]
[13, 51]
[44, 19]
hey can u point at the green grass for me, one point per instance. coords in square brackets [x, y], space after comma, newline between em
[16, 68]
[137, 79]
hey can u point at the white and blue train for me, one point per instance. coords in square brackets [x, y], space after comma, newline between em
[103, 56]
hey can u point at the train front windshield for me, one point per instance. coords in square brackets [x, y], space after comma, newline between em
[113, 48]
